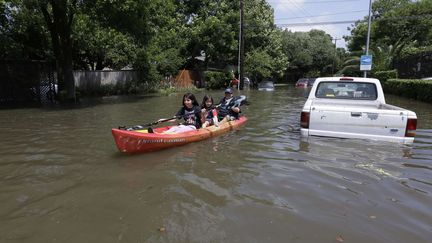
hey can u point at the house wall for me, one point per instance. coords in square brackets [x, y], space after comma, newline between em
[91, 80]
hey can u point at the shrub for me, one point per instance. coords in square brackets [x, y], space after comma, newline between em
[411, 88]
[120, 88]
[383, 76]
[216, 80]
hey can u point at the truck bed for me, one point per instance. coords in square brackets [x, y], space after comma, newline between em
[356, 105]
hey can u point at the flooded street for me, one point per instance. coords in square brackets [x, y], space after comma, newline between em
[63, 179]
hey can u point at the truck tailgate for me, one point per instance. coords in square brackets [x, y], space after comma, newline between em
[356, 121]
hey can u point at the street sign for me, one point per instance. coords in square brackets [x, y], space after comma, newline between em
[366, 63]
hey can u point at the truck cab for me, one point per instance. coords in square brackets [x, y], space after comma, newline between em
[349, 107]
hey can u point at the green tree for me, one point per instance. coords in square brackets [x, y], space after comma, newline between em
[22, 32]
[395, 22]
[212, 28]
[157, 37]
[98, 47]
[351, 65]
[258, 64]
[309, 52]
[263, 40]
[59, 16]
[399, 28]
[144, 35]
[163, 51]
[384, 55]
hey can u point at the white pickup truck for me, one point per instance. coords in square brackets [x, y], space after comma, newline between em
[348, 107]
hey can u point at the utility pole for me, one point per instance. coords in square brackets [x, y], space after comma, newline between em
[241, 49]
[335, 52]
[368, 33]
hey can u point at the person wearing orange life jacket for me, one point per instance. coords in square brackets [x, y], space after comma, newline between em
[234, 83]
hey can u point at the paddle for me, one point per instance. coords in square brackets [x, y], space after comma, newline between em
[140, 127]
[239, 100]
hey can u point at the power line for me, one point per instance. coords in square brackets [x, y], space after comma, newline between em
[314, 2]
[319, 23]
[302, 9]
[354, 21]
[339, 13]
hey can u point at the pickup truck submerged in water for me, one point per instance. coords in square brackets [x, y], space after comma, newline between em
[348, 107]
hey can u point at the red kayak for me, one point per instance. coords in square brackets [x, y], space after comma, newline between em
[141, 141]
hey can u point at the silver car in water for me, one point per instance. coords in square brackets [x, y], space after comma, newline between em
[266, 86]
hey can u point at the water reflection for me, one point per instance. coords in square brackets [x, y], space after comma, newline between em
[332, 147]
[422, 109]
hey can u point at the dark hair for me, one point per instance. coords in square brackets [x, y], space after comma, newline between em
[191, 97]
[207, 97]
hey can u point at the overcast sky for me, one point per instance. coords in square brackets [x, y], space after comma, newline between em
[319, 11]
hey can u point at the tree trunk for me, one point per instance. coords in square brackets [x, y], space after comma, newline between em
[59, 23]
[99, 63]
[67, 68]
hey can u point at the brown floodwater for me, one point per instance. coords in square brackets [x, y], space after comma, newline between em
[63, 180]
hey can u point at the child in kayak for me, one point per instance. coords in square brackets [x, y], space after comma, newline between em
[208, 112]
[190, 112]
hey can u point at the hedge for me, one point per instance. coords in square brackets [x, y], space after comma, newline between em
[216, 80]
[383, 76]
[411, 88]
[131, 87]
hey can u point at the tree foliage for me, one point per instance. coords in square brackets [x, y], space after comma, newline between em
[309, 52]
[400, 28]
[263, 42]
[23, 33]
[96, 47]
[157, 37]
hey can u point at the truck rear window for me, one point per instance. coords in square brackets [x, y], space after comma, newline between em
[346, 90]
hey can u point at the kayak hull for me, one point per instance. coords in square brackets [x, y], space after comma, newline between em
[141, 141]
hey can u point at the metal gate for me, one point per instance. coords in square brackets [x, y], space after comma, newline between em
[23, 81]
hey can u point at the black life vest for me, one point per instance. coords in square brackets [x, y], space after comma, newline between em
[225, 108]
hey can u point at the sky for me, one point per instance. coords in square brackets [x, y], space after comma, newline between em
[318, 11]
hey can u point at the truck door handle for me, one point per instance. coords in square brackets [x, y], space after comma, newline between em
[356, 114]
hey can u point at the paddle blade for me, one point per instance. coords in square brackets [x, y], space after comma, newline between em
[240, 100]
[137, 127]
